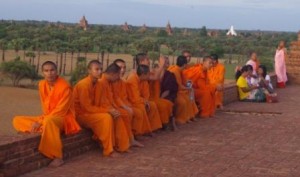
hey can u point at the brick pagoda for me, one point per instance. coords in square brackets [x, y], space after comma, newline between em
[83, 23]
[293, 61]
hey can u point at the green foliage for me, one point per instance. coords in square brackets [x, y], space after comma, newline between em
[80, 71]
[65, 37]
[17, 70]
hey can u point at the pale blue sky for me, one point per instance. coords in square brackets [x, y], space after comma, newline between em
[275, 15]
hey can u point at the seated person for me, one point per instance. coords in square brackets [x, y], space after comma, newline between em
[265, 79]
[248, 92]
[265, 83]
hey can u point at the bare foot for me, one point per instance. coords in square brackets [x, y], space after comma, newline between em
[56, 163]
[194, 119]
[114, 155]
[221, 107]
[135, 143]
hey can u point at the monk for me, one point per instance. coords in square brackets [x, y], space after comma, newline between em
[104, 99]
[120, 95]
[185, 106]
[254, 62]
[139, 93]
[169, 89]
[88, 114]
[217, 76]
[58, 115]
[164, 106]
[204, 89]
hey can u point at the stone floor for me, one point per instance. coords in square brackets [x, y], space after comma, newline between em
[261, 140]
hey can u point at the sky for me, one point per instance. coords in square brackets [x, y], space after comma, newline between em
[271, 15]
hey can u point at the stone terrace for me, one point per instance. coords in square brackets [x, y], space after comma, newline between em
[246, 139]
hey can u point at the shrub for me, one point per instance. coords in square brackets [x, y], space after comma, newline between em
[17, 70]
[80, 72]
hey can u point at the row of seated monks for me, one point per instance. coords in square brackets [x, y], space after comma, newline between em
[120, 109]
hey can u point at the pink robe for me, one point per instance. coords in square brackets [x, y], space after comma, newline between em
[280, 68]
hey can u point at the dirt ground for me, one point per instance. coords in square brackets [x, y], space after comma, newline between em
[16, 101]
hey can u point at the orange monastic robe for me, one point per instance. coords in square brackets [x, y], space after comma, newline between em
[104, 99]
[217, 76]
[91, 116]
[138, 95]
[164, 106]
[204, 90]
[120, 93]
[58, 115]
[185, 108]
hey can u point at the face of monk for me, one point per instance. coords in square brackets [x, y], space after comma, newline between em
[214, 63]
[95, 70]
[254, 56]
[188, 56]
[208, 63]
[281, 44]
[49, 72]
[123, 68]
[145, 61]
[145, 77]
[114, 77]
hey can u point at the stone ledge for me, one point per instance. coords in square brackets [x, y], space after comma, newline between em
[19, 153]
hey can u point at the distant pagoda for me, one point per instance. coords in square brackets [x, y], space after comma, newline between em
[185, 32]
[231, 32]
[125, 27]
[213, 33]
[169, 29]
[83, 23]
[143, 28]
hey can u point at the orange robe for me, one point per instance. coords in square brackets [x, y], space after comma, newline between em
[138, 95]
[185, 108]
[104, 99]
[204, 90]
[120, 94]
[91, 116]
[217, 76]
[164, 106]
[58, 115]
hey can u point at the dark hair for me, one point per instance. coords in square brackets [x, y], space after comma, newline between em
[113, 69]
[93, 62]
[119, 60]
[142, 69]
[139, 57]
[264, 68]
[206, 58]
[245, 68]
[214, 57]
[49, 63]
[181, 60]
[185, 51]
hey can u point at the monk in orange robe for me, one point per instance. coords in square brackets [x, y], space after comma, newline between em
[104, 99]
[58, 114]
[88, 114]
[217, 77]
[186, 108]
[164, 106]
[120, 95]
[139, 94]
[204, 89]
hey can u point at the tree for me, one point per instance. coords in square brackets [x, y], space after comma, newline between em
[31, 56]
[3, 47]
[17, 70]
[16, 45]
[203, 31]
[80, 71]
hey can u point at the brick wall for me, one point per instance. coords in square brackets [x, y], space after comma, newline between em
[19, 153]
[293, 62]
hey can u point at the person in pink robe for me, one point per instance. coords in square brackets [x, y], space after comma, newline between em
[280, 68]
